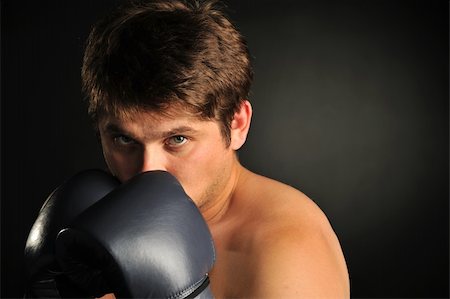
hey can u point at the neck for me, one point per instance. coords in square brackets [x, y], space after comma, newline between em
[215, 210]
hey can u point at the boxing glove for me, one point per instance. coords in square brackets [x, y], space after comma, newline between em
[146, 239]
[44, 278]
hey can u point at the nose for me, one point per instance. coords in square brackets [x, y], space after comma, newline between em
[153, 159]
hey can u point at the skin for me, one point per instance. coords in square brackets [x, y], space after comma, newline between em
[271, 240]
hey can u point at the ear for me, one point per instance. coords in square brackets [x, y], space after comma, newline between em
[240, 125]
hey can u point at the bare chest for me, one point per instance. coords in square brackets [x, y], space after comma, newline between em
[233, 269]
[230, 275]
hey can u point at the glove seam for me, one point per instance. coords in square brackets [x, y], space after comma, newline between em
[189, 289]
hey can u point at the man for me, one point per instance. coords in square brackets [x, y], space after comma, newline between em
[168, 83]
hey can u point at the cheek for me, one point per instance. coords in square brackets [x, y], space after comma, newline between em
[202, 169]
[121, 166]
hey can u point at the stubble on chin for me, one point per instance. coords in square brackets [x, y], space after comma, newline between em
[214, 190]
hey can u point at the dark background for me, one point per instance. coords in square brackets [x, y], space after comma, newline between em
[350, 106]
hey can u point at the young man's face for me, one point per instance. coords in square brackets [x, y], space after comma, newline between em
[191, 149]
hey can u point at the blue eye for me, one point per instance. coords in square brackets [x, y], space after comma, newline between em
[176, 141]
[123, 140]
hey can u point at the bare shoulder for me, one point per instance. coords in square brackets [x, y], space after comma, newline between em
[294, 248]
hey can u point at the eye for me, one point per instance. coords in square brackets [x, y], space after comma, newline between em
[123, 140]
[176, 141]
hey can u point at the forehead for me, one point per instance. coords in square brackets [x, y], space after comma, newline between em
[151, 122]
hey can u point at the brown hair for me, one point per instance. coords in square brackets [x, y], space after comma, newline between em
[154, 54]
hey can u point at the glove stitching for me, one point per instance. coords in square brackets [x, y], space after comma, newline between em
[189, 289]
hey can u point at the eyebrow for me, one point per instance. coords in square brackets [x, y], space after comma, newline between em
[111, 127]
[114, 128]
[178, 131]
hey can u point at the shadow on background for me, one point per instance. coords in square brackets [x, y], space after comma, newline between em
[350, 106]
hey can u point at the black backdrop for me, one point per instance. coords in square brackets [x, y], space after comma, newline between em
[350, 106]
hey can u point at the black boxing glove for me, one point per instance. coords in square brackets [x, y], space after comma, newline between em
[146, 239]
[44, 279]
